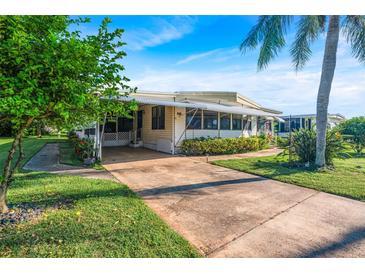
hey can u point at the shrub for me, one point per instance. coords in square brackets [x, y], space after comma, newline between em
[84, 148]
[216, 146]
[304, 145]
[282, 142]
[354, 131]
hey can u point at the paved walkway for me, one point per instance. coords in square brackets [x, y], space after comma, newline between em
[47, 159]
[227, 213]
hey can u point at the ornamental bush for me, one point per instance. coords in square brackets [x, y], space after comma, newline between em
[303, 144]
[354, 131]
[216, 146]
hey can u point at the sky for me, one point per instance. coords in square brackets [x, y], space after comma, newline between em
[201, 53]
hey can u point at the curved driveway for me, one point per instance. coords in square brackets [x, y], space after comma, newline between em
[227, 213]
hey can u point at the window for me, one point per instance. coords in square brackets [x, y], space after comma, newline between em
[295, 123]
[110, 125]
[210, 119]
[236, 121]
[225, 121]
[309, 123]
[282, 127]
[196, 121]
[124, 124]
[261, 124]
[158, 117]
[90, 131]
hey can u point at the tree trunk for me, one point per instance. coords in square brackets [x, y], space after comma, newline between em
[328, 69]
[3, 203]
[8, 172]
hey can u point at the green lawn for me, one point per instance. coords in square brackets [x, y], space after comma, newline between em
[106, 219]
[347, 179]
[67, 155]
[31, 146]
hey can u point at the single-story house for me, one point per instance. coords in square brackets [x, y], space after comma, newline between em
[164, 120]
[308, 121]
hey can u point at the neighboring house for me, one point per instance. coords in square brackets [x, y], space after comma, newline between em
[164, 120]
[308, 121]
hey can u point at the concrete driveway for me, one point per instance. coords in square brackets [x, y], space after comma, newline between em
[226, 213]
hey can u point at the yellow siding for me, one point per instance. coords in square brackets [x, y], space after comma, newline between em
[149, 135]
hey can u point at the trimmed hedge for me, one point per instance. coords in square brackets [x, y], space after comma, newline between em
[216, 146]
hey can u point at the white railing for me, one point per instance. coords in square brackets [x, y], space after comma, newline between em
[116, 139]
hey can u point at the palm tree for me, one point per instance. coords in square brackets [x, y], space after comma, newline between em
[269, 33]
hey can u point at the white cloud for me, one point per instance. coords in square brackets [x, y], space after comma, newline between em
[162, 31]
[219, 55]
[278, 87]
[198, 56]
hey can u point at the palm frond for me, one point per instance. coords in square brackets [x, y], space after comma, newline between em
[354, 30]
[309, 28]
[270, 31]
[255, 35]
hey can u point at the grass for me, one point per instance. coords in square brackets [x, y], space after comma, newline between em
[67, 155]
[31, 146]
[106, 219]
[347, 179]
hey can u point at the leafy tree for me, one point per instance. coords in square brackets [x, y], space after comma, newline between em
[269, 33]
[49, 72]
[355, 128]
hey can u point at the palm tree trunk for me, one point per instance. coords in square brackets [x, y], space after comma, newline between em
[328, 69]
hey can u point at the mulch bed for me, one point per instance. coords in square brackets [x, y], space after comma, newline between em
[28, 211]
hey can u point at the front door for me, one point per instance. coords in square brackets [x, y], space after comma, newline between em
[139, 124]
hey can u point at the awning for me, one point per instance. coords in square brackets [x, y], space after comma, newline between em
[279, 119]
[199, 105]
[235, 109]
[148, 101]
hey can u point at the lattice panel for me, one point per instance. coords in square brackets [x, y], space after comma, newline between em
[110, 136]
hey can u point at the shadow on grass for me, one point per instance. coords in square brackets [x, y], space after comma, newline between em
[268, 168]
[69, 192]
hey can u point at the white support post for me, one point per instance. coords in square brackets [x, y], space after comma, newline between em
[219, 124]
[101, 139]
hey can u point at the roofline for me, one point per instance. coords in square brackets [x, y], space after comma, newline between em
[313, 115]
[239, 97]
[272, 110]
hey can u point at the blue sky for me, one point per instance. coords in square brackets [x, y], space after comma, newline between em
[172, 53]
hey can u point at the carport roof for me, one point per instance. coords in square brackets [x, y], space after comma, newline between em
[199, 105]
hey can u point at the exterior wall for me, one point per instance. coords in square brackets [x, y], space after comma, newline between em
[157, 139]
